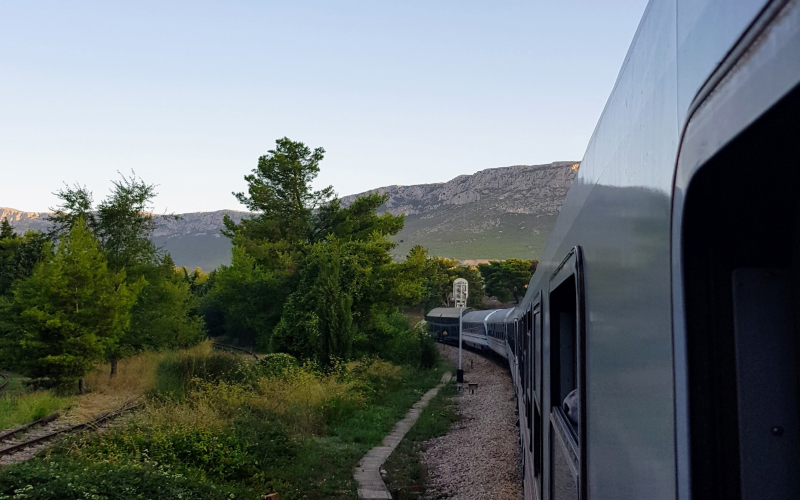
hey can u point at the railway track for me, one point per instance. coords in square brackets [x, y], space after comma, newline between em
[36, 432]
[232, 348]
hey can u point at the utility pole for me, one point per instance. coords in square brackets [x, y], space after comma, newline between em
[460, 294]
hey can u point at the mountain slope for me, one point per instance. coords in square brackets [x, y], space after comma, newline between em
[496, 213]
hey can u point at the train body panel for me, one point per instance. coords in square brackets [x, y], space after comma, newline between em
[602, 329]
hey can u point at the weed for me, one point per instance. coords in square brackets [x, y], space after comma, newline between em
[404, 466]
[16, 410]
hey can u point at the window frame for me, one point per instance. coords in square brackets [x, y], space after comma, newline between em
[571, 266]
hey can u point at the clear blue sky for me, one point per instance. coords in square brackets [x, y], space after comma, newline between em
[190, 94]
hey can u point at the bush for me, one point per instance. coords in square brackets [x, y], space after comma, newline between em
[276, 365]
[175, 374]
[429, 355]
[64, 480]
[402, 344]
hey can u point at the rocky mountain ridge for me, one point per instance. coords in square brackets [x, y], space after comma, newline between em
[496, 213]
[523, 189]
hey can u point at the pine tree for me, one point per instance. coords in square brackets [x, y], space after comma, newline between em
[70, 312]
[334, 309]
[6, 231]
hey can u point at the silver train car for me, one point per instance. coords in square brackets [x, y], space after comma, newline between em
[655, 354]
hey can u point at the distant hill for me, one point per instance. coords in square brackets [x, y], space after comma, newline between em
[193, 241]
[498, 213]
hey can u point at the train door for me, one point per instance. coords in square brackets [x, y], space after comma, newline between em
[528, 374]
[565, 422]
[536, 420]
[741, 296]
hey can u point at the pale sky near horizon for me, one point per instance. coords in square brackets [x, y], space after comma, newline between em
[190, 94]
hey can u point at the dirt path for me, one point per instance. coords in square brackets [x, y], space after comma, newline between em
[480, 457]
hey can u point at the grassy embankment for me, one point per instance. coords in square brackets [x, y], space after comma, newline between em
[19, 404]
[405, 469]
[215, 425]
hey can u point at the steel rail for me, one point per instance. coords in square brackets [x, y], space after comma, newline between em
[222, 347]
[85, 425]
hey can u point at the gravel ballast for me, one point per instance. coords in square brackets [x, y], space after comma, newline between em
[480, 457]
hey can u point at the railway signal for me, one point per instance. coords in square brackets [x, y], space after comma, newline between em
[460, 294]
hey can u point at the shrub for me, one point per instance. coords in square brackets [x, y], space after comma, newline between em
[65, 480]
[175, 374]
[276, 365]
[375, 377]
[429, 355]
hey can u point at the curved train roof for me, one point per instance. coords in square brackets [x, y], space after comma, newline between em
[444, 312]
[478, 316]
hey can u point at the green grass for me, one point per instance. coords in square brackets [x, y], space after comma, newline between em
[18, 409]
[323, 466]
[476, 235]
[405, 470]
[254, 451]
[19, 405]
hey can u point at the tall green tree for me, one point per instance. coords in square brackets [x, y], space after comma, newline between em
[123, 223]
[6, 231]
[76, 205]
[70, 313]
[126, 222]
[19, 256]
[292, 233]
[507, 279]
[317, 321]
[279, 191]
[165, 316]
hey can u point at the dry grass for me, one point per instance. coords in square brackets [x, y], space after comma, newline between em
[135, 376]
[304, 401]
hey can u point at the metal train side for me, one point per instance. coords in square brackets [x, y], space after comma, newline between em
[625, 308]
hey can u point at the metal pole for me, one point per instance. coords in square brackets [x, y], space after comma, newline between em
[460, 372]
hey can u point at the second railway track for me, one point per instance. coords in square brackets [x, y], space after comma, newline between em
[36, 433]
[233, 348]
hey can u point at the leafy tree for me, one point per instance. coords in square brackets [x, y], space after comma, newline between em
[318, 319]
[19, 256]
[438, 277]
[76, 204]
[6, 231]
[69, 313]
[125, 223]
[356, 222]
[164, 315]
[279, 190]
[250, 297]
[300, 236]
[507, 279]
[122, 223]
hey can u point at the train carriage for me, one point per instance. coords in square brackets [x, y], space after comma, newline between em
[655, 354]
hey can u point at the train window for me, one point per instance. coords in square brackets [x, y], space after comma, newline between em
[567, 422]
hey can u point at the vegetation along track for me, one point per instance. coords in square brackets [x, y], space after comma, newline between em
[3, 381]
[226, 347]
[48, 435]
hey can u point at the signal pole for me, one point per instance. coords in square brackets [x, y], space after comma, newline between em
[460, 294]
